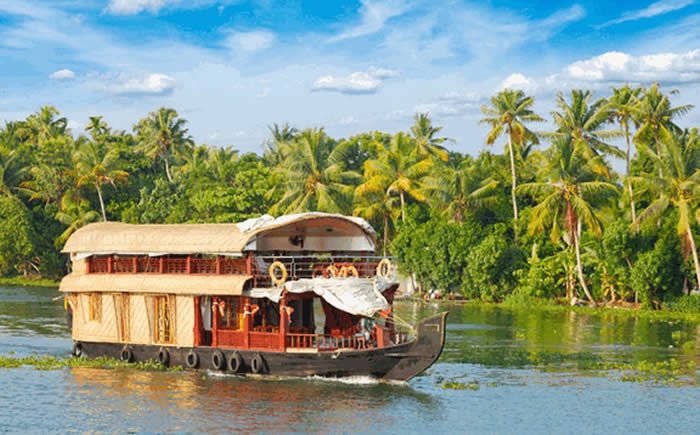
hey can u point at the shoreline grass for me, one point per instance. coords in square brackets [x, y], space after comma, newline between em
[29, 282]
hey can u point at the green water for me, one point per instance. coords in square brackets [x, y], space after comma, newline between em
[502, 371]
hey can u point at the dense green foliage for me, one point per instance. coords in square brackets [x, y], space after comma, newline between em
[548, 219]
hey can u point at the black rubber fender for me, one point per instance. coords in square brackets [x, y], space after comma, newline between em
[192, 359]
[163, 356]
[257, 364]
[235, 362]
[218, 361]
[77, 349]
[127, 355]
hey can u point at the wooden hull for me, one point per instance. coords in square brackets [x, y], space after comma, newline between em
[401, 362]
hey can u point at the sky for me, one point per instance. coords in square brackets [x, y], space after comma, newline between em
[232, 68]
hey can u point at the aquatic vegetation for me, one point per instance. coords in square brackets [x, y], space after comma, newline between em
[46, 362]
[454, 385]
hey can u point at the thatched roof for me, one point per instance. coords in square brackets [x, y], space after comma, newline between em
[225, 285]
[114, 237]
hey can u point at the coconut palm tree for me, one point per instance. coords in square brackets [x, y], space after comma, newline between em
[98, 128]
[276, 147]
[75, 213]
[375, 206]
[584, 120]
[508, 113]
[11, 172]
[678, 185]
[396, 171]
[222, 164]
[96, 165]
[312, 176]
[45, 124]
[654, 114]
[426, 142]
[163, 134]
[620, 110]
[459, 188]
[567, 198]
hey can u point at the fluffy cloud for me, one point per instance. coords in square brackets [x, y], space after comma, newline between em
[250, 41]
[373, 17]
[63, 74]
[519, 81]
[616, 66]
[152, 84]
[355, 83]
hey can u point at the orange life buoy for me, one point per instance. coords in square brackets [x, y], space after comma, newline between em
[273, 272]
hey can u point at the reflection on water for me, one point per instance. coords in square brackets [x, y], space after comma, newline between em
[485, 347]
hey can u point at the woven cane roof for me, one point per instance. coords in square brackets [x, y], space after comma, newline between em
[115, 237]
[226, 285]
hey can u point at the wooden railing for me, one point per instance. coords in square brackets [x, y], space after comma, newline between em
[168, 265]
[326, 342]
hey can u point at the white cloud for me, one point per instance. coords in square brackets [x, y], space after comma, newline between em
[355, 83]
[131, 7]
[519, 81]
[373, 17]
[152, 84]
[264, 93]
[63, 74]
[451, 104]
[617, 66]
[654, 9]
[347, 120]
[250, 41]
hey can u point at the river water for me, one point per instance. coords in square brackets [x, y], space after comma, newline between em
[488, 349]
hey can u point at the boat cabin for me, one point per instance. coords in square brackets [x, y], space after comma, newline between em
[251, 286]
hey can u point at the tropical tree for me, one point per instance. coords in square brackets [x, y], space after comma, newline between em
[654, 114]
[12, 172]
[620, 110]
[96, 165]
[397, 171]
[377, 206]
[426, 142]
[45, 124]
[583, 121]
[568, 197]
[678, 185]
[459, 188]
[508, 113]
[163, 134]
[98, 128]
[276, 147]
[222, 164]
[312, 176]
[75, 213]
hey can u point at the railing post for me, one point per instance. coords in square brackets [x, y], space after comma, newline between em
[110, 264]
[214, 320]
[249, 264]
[161, 264]
[283, 325]
[88, 265]
[189, 264]
[135, 263]
[218, 264]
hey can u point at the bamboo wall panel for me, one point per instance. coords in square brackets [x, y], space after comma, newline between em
[139, 329]
[184, 323]
[104, 330]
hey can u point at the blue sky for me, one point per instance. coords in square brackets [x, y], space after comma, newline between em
[231, 68]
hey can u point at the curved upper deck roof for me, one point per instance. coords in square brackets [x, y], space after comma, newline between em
[321, 231]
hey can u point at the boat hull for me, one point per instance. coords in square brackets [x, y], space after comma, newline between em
[400, 362]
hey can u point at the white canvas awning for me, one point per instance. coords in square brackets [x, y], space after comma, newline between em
[358, 296]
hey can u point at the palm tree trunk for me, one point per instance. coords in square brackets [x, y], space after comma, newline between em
[579, 268]
[167, 168]
[629, 184]
[695, 254]
[403, 208]
[512, 176]
[386, 231]
[102, 204]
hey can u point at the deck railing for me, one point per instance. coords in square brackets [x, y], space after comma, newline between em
[168, 265]
[299, 267]
[326, 342]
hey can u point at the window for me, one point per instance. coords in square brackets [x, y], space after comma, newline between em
[96, 307]
[163, 320]
[231, 317]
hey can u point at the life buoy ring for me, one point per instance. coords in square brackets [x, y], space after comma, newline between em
[330, 272]
[163, 356]
[273, 275]
[319, 270]
[257, 364]
[77, 349]
[218, 360]
[349, 270]
[384, 268]
[127, 355]
[192, 359]
[235, 362]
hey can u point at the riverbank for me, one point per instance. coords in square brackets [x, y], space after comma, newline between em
[29, 282]
[550, 305]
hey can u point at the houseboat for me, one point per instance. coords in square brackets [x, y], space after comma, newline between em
[241, 298]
